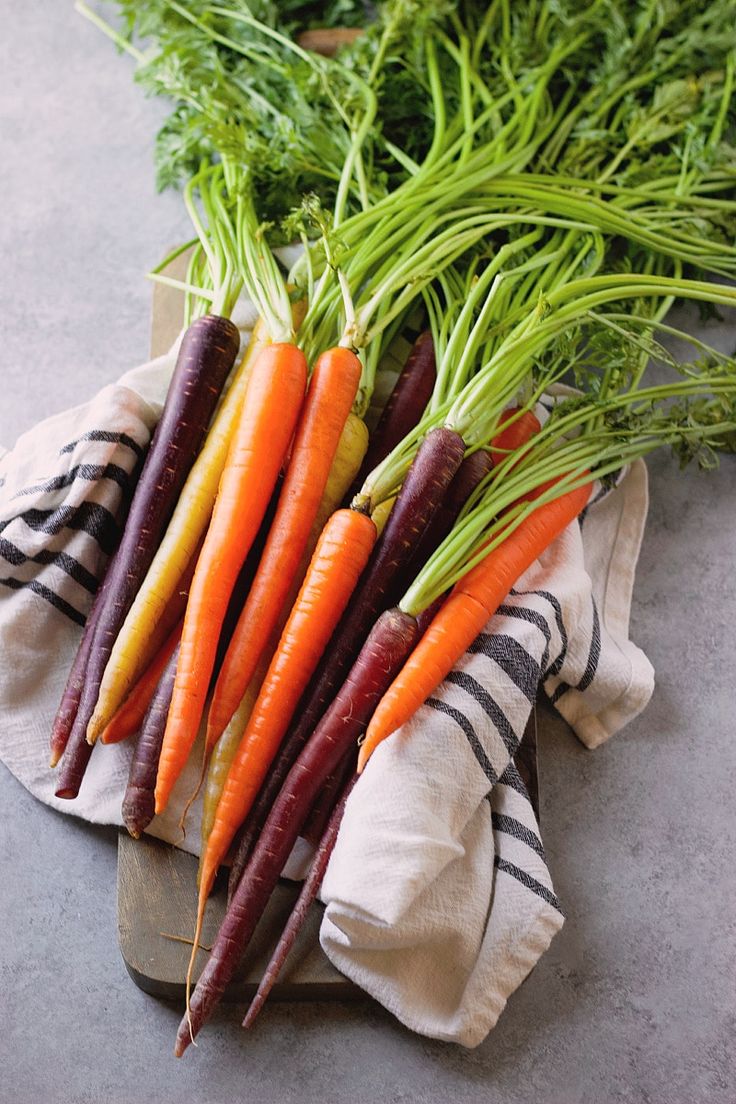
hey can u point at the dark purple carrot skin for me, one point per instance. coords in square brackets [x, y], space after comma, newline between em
[139, 802]
[386, 577]
[207, 354]
[381, 657]
[473, 469]
[309, 891]
[320, 813]
[404, 406]
[425, 618]
[66, 713]
[74, 761]
[314, 825]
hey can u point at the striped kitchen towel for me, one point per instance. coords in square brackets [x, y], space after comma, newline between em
[439, 896]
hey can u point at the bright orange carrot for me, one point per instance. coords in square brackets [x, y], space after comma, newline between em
[265, 428]
[457, 623]
[331, 393]
[341, 554]
[129, 717]
[518, 433]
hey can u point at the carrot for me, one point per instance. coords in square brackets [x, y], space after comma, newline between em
[471, 472]
[437, 459]
[129, 717]
[316, 822]
[511, 437]
[66, 713]
[179, 545]
[268, 420]
[472, 602]
[341, 554]
[205, 358]
[138, 800]
[308, 892]
[349, 456]
[382, 513]
[383, 654]
[243, 583]
[221, 760]
[404, 406]
[331, 393]
[350, 452]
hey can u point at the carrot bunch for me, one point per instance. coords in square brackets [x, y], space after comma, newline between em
[288, 587]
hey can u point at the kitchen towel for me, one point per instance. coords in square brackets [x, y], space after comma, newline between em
[439, 897]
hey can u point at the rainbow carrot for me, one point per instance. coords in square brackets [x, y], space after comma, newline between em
[332, 390]
[472, 602]
[269, 417]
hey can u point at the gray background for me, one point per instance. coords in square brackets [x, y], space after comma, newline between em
[634, 1002]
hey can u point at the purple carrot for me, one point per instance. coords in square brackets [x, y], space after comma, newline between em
[67, 711]
[138, 802]
[404, 406]
[66, 714]
[328, 796]
[381, 657]
[386, 577]
[309, 890]
[471, 472]
[313, 825]
[473, 469]
[206, 356]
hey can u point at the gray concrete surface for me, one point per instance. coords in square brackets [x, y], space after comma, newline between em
[635, 1001]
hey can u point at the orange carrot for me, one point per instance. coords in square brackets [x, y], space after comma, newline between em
[472, 602]
[341, 554]
[332, 390]
[129, 717]
[261, 438]
[518, 433]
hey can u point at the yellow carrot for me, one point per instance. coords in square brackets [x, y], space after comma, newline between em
[224, 753]
[380, 515]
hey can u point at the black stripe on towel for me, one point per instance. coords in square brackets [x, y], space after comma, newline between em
[591, 666]
[521, 667]
[461, 720]
[545, 594]
[90, 472]
[90, 517]
[44, 592]
[513, 827]
[490, 707]
[529, 882]
[514, 781]
[522, 613]
[105, 435]
[66, 562]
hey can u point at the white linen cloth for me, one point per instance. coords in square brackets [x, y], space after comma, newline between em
[438, 897]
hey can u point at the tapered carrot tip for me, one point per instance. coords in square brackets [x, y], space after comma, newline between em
[183, 1039]
[55, 757]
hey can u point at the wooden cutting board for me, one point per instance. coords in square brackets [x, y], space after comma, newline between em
[157, 890]
[157, 895]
